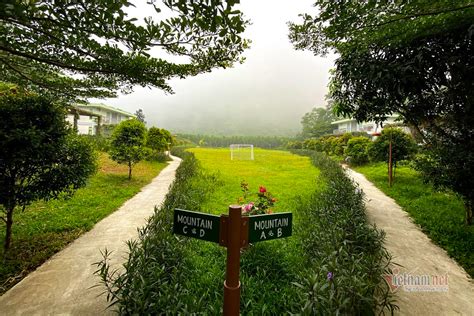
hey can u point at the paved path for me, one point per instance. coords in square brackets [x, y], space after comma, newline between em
[417, 254]
[63, 284]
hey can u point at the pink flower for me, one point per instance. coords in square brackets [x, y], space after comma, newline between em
[248, 207]
[262, 189]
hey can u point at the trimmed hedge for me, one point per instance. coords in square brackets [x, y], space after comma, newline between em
[345, 254]
[156, 267]
[335, 238]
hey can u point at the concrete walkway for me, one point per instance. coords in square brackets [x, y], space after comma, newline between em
[417, 255]
[63, 284]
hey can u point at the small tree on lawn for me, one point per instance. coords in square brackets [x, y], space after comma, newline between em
[40, 156]
[128, 143]
[159, 139]
[403, 146]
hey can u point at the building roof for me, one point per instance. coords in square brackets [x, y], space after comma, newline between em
[91, 106]
[350, 119]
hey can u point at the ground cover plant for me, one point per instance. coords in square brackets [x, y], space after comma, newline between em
[47, 227]
[170, 274]
[440, 214]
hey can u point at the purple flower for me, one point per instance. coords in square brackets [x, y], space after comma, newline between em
[330, 276]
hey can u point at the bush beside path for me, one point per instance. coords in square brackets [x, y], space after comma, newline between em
[65, 283]
[417, 255]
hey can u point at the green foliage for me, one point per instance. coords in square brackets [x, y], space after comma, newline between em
[361, 25]
[153, 279]
[46, 227]
[439, 213]
[99, 142]
[40, 158]
[403, 146]
[345, 255]
[159, 139]
[317, 123]
[169, 274]
[226, 141]
[93, 48]
[450, 166]
[128, 143]
[357, 150]
[415, 58]
[140, 116]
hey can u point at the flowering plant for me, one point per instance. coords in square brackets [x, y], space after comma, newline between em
[261, 205]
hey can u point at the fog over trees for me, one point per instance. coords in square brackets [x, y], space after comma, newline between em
[266, 95]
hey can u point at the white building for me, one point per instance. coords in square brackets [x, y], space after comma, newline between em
[88, 118]
[350, 125]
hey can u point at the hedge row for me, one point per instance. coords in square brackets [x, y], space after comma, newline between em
[345, 254]
[335, 239]
[152, 278]
[357, 148]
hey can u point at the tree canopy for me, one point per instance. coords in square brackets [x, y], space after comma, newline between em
[317, 123]
[128, 143]
[159, 139]
[40, 157]
[94, 48]
[414, 58]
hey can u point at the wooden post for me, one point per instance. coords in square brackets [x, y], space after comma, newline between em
[232, 282]
[390, 169]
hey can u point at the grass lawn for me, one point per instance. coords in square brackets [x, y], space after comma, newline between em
[47, 227]
[440, 214]
[288, 177]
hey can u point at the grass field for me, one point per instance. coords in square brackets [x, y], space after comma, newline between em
[47, 227]
[171, 274]
[289, 178]
[285, 175]
[440, 214]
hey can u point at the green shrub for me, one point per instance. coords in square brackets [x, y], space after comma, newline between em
[403, 146]
[356, 150]
[294, 145]
[100, 143]
[128, 143]
[165, 274]
[345, 255]
[156, 269]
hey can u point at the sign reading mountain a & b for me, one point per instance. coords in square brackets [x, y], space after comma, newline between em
[232, 231]
[270, 226]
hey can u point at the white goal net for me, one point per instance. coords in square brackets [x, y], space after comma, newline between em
[241, 152]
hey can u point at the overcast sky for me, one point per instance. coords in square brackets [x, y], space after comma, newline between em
[267, 95]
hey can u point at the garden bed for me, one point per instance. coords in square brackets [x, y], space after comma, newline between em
[45, 228]
[333, 262]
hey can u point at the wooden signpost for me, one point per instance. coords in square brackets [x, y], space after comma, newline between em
[232, 231]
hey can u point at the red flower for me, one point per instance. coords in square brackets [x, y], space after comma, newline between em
[262, 189]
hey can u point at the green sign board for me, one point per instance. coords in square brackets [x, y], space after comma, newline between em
[270, 226]
[197, 225]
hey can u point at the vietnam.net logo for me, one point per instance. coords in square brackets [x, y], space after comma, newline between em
[411, 282]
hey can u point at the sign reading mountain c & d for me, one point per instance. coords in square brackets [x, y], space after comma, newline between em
[197, 225]
[269, 226]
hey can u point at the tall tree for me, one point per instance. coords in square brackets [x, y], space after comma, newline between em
[94, 48]
[140, 116]
[317, 123]
[415, 58]
[40, 157]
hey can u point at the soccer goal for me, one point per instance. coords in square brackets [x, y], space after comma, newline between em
[241, 152]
